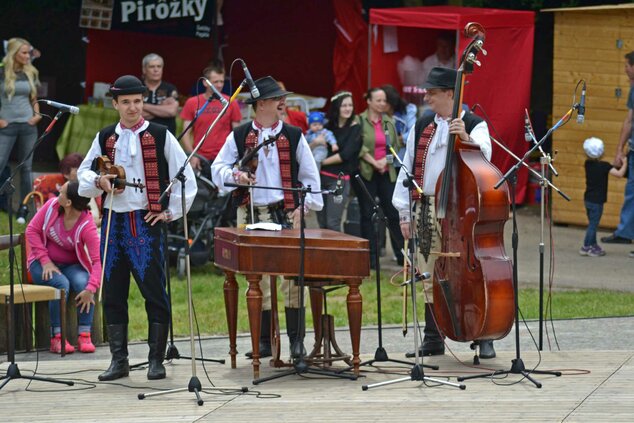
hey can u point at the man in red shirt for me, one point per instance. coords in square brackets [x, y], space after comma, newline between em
[293, 117]
[216, 138]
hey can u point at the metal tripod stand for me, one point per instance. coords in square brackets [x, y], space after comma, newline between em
[7, 188]
[417, 374]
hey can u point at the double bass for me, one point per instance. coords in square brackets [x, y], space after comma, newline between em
[473, 278]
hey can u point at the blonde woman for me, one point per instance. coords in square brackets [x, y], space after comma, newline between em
[19, 111]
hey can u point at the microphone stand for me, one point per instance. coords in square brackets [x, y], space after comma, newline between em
[517, 364]
[417, 373]
[544, 160]
[543, 183]
[7, 188]
[172, 352]
[300, 366]
[194, 384]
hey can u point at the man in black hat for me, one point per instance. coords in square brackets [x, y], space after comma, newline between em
[425, 158]
[150, 155]
[286, 162]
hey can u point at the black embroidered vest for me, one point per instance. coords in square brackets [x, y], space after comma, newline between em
[155, 165]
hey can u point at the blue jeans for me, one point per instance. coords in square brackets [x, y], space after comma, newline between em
[626, 225]
[594, 212]
[73, 278]
[22, 137]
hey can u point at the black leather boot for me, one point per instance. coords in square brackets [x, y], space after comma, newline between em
[265, 336]
[118, 339]
[432, 342]
[486, 349]
[157, 340]
[294, 333]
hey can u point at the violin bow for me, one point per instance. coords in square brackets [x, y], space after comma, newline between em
[405, 273]
[248, 158]
[105, 247]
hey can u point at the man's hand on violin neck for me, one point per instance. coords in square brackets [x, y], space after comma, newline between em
[153, 218]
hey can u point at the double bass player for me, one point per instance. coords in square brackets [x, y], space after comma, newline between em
[425, 158]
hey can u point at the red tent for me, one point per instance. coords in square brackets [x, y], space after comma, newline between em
[501, 86]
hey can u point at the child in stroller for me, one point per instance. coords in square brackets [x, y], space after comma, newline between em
[208, 211]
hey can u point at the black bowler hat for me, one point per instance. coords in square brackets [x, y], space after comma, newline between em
[269, 88]
[441, 78]
[127, 84]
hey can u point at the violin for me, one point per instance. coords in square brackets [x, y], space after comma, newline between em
[249, 164]
[105, 167]
[473, 278]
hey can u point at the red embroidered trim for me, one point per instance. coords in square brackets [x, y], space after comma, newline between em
[150, 165]
[135, 127]
[132, 224]
[421, 156]
[260, 126]
[284, 153]
[110, 142]
[250, 142]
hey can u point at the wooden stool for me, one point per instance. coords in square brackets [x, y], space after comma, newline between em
[324, 326]
[25, 293]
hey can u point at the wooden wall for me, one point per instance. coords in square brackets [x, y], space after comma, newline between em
[589, 45]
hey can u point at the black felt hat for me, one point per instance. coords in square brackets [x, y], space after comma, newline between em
[269, 88]
[127, 84]
[441, 78]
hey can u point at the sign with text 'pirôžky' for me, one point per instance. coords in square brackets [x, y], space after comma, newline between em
[185, 18]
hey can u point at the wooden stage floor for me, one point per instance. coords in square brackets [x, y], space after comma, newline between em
[596, 387]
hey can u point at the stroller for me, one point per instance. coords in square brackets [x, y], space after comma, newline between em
[209, 210]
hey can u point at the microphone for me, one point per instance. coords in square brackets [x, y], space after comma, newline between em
[389, 157]
[338, 192]
[63, 107]
[417, 278]
[528, 130]
[255, 93]
[581, 111]
[215, 91]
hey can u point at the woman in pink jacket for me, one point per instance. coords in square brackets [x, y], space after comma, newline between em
[65, 255]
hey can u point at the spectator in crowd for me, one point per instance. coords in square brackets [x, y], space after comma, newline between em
[413, 71]
[403, 114]
[316, 132]
[19, 112]
[161, 98]
[596, 193]
[291, 116]
[216, 138]
[378, 175]
[347, 132]
[624, 233]
[65, 255]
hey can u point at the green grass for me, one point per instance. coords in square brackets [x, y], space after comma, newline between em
[208, 298]
[207, 287]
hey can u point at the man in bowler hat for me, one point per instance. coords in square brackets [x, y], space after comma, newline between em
[425, 158]
[150, 156]
[287, 162]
